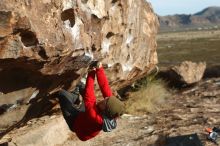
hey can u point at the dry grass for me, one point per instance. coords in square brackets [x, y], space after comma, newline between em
[174, 48]
[148, 98]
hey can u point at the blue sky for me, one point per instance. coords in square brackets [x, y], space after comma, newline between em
[166, 7]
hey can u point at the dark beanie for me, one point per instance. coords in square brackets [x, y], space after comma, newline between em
[114, 107]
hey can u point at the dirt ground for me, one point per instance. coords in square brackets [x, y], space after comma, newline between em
[186, 112]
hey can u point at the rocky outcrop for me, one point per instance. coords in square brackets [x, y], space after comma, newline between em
[48, 44]
[45, 131]
[185, 74]
[190, 72]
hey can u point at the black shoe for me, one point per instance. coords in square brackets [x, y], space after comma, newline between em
[79, 105]
[69, 96]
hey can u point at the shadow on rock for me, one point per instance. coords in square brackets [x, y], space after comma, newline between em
[37, 109]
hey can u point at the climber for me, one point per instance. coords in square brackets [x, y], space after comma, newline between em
[87, 118]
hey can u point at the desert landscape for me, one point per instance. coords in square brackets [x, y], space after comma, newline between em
[170, 112]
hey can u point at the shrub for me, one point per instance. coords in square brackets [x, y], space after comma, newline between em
[148, 97]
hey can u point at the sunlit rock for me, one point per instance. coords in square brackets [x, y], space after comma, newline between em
[52, 42]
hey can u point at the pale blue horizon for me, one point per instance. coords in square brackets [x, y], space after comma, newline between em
[171, 7]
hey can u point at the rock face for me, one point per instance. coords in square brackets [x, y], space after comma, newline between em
[53, 132]
[48, 44]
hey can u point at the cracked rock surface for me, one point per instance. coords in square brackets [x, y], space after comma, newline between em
[49, 43]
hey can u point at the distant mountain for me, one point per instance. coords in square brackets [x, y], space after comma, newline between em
[208, 18]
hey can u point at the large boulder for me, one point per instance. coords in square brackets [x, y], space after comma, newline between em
[184, 74]
[48, 44]
[190, 72]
